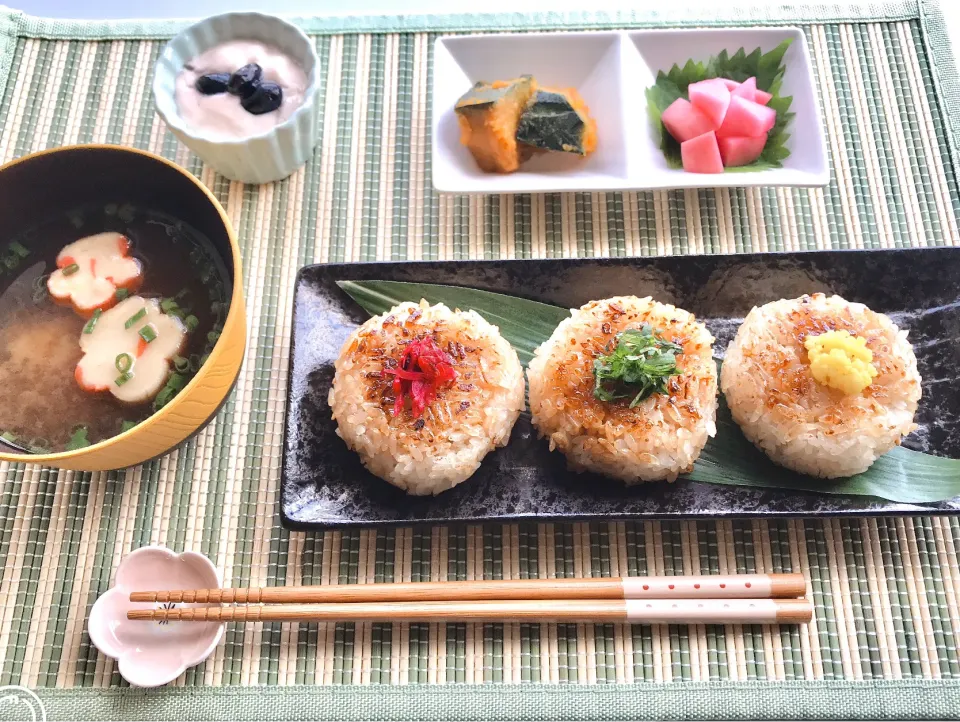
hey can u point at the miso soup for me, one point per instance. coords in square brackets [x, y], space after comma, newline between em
[43, 406]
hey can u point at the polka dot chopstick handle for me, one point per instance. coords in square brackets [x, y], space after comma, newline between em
[720, 586]
[719, 611]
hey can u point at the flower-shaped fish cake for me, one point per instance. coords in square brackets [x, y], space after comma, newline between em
[128, 349]
[90, 271]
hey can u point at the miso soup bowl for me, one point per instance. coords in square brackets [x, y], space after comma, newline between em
[54, 181]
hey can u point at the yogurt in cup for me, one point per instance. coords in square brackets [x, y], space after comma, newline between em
[243, 146]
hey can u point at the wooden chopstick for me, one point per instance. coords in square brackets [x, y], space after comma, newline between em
[653, 611]
[728, 586]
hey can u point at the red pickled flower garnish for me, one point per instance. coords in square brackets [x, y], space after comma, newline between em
[424, 368]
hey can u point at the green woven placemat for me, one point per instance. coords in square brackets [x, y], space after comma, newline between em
[887, 591]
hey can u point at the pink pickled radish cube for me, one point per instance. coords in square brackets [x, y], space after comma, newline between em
[736, 151]
[701, 154]
[746, 119]
[683, 121]
[762, 97]
[747, 90]
[710, 97]
[731, 84]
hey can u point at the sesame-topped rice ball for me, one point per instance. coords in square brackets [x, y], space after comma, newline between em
[619, 427]
[822, 385]
[423, 393]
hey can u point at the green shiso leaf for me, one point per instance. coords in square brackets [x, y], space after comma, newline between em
[766, 67]
[902, 475]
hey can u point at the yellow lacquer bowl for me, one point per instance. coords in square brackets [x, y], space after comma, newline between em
[37, 186]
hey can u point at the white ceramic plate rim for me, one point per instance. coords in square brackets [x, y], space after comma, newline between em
[446, 179]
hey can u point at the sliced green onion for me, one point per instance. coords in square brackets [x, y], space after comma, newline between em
[71, 269]
[168, 304]
[78, 439]
[176, 382]
[192, 322]
[124, 363]
[163, 398]
[127, 425]
[123, 378]
[148, 334]
[39, 446]
[203, 359]
[8, 436]
[11, 262]
[181, 364]
[135, 317]
[213, 336]
[92, 323]
[183, 293]
[121, 294]
[195, 362]
[19, 250]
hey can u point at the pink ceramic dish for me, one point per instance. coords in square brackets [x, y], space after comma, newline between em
[150, 654]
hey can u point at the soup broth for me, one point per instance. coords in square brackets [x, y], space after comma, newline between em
[42, 407]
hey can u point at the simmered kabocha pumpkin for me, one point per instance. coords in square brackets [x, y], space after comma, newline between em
[558, 120]
[488, 114]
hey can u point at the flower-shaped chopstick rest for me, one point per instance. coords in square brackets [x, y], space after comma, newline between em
[150, 654]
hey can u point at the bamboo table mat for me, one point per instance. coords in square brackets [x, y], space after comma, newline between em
[887, 590]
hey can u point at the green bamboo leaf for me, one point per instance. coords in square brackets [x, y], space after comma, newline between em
[525, 324]
[902, 475]
[768, 70]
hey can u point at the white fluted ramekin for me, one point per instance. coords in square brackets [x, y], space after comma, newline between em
[256, 159]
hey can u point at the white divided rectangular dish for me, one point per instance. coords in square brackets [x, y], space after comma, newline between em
[612, 70]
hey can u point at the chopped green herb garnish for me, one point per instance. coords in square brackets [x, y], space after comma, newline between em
[148, 334]
[183, 293]
[127, 425]
[194, 362]
[135, 317]
[71, 269]
[191, 322]
[203, 359]
[123, 378]
[213, 336]
[8, 436]
[181, 364]
[168, 304]
[163, 398]
[124, 363]
[78, 439]
[18, 250]
[92, 323]
[637, 367]
[176, 382]
[121, 294]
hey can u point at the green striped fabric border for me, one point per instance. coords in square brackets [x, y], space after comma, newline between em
[887, 591]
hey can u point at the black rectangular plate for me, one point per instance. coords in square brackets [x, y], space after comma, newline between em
[324, 485]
